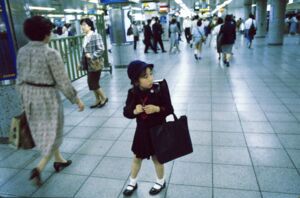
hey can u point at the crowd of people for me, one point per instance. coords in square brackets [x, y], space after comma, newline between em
[197, 31]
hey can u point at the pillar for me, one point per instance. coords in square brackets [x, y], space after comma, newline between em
[276, 24]
[247, 8]
[261, 18]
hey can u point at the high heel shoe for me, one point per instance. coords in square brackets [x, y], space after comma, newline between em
[36, 176]
[102, 104]
[58, 166]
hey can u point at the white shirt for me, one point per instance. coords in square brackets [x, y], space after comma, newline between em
[187, 23]
[198, 31]
[87, 39]
[248, 23]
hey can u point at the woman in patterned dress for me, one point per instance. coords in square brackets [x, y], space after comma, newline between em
[41, 75]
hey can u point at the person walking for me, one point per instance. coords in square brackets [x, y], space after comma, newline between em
[157, 32]
[147, 37]
[136, 34]
[198, 38]
[149, 103]
[174, 35]
[187, 24]
[41, 75]
[293, 25]
[228, 34]
[93, 51]
[250, 29]
[216, 35]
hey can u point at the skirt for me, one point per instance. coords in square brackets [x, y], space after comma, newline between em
[227, 49]
[142, 145]
[93, 79]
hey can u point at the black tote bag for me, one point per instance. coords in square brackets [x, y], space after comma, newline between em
[171, 140]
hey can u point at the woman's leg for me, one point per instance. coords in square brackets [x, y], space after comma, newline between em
[98, 99]
[101, 95]
[58, 157]
[43, 162]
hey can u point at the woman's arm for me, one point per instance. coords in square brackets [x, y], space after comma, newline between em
[60, 76]
[99, 47]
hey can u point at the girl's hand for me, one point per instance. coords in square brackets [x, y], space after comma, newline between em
[138, 109]
[150, 109]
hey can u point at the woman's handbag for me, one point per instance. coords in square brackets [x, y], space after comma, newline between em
[171, 140]
[20, 135]
[97, 64]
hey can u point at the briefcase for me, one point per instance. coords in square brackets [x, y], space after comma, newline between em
[171, 140]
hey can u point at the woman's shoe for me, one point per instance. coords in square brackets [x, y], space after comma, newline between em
[36, 176]
[154, 191]
[58, 166]
[128, 192]
[104, 103]
[95, 105]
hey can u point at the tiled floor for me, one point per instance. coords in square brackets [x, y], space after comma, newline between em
[244, 122]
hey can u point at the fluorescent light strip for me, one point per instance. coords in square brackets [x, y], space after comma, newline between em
[41, 8]
[73, 10]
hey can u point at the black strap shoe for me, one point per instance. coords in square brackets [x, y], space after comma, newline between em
[36, 177]
[128, 192]
[95, 105]
[102, 104]
[58, 166]
[154, 191]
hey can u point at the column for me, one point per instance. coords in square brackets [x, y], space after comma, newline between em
[261, 18]
[247, 8]
[276, 24]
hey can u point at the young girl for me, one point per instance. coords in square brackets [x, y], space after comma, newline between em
[150, 104]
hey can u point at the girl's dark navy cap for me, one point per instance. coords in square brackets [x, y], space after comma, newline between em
[135, 68]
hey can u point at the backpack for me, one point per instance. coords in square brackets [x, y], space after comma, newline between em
[129, 31]
[252, 30]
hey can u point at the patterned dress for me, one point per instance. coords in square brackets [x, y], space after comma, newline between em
[39, 64]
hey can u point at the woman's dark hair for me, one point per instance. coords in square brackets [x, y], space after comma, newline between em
[37, 28]
[89, 22]
[220, 20]
[59, 30]
[228, 18]
[251, 16]
[173, 21]
[199, 22]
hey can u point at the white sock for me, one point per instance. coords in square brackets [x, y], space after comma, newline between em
[159, 181]
[132, 182]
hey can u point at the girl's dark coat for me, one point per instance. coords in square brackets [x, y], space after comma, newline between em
[158, 95]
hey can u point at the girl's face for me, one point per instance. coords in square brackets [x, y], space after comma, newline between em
[146, 79]
[85, 27]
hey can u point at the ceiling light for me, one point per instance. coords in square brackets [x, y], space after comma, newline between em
[41, 8]
[73, 10]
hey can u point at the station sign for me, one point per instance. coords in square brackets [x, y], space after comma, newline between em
[113, 1]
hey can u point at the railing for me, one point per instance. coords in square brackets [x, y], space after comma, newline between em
[70, 50]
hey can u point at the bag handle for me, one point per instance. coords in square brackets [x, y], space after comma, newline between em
[174, 116]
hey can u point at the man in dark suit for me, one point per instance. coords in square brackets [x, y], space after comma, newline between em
[147, 36]
[157, 32]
